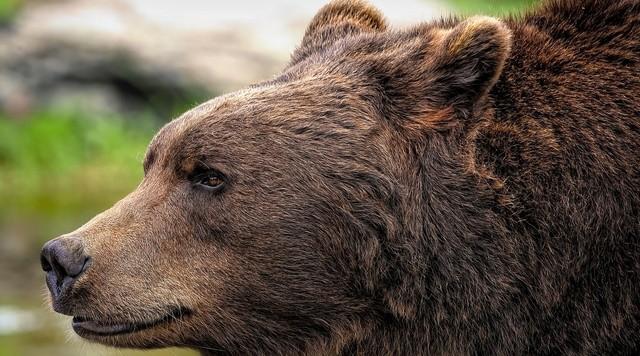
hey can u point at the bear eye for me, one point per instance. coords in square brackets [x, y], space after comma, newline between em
[210, 180]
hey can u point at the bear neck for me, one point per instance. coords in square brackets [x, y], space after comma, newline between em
[458, 231]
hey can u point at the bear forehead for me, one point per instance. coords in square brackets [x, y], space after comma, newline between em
[328, 104]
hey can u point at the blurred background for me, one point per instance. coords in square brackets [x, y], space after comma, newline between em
[84, 84]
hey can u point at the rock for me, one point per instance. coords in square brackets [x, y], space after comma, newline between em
[140, 55]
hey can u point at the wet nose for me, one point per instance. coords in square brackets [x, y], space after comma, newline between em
[64, 260]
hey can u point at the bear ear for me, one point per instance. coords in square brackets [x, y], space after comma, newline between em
[461, 65]
[337, 20]
[466, 62]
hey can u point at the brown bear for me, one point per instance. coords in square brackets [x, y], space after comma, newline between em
[462, 187]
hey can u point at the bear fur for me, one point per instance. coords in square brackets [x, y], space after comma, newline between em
[462, 187]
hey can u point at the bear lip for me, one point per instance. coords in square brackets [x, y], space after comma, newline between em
[92, 327]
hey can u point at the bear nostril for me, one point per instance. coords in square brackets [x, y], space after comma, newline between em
[44, 262]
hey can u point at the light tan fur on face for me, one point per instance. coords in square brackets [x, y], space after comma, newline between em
[141, 270]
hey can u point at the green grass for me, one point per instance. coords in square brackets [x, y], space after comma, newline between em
[8, 8]
[490, 7]
[60, 162]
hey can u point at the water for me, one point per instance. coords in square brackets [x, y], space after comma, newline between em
[14, 320]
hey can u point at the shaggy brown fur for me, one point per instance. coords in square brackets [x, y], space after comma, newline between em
[463, 187]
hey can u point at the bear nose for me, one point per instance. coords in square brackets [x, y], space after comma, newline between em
[64, 260]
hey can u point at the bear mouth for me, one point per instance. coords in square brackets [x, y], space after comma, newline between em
[87, 327]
